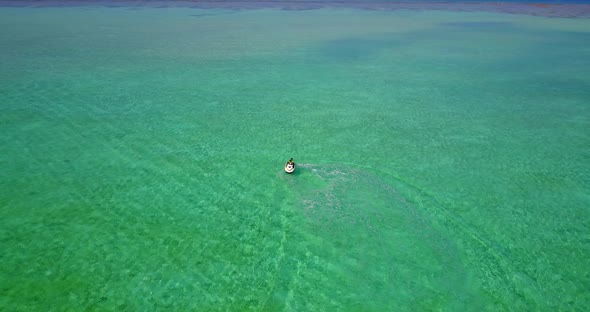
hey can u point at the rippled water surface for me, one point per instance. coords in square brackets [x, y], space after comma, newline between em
[443, 160]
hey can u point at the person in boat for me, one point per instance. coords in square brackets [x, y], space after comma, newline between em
[290, 162]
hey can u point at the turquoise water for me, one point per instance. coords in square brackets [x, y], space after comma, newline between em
[443, 160]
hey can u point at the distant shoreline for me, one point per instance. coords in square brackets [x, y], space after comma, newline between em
[565, 10]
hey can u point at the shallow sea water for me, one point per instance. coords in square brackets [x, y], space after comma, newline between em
[443, 160]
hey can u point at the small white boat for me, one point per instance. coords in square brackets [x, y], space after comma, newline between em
[289, 167]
